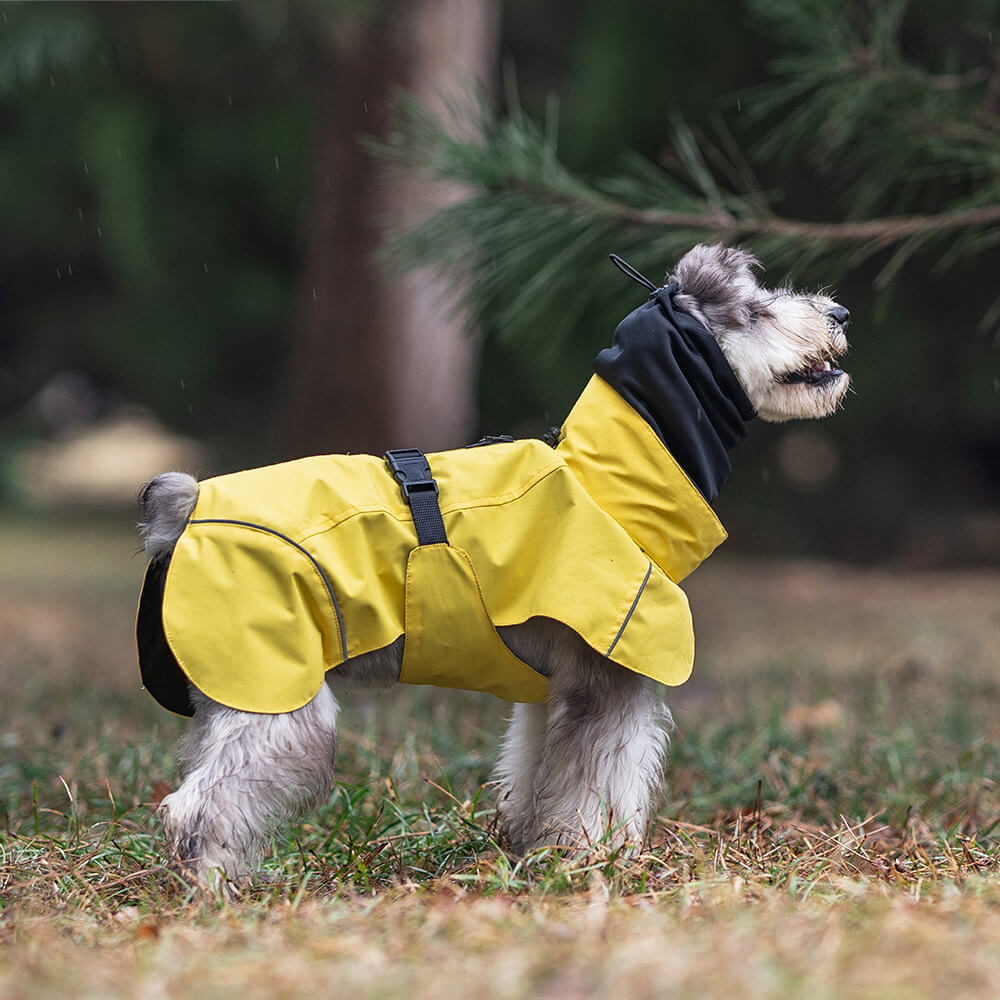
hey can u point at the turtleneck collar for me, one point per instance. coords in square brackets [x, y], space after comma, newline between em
[670, 369]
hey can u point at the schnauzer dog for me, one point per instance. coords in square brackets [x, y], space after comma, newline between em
[544, 573]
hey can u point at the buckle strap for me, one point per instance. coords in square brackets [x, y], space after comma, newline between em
[413, 472]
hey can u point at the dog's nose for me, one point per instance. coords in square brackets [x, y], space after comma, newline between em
[839, 315]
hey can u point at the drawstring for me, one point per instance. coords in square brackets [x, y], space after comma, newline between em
[626, 268]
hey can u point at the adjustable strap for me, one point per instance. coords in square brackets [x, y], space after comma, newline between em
[411, 469]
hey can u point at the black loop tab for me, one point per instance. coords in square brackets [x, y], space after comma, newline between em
[413, 472]
[626, 268]
[485, 442]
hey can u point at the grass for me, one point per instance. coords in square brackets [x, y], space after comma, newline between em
[830, 826]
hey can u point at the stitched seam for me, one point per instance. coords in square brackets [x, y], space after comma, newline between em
[468, 504]
[312, 559]
[489, 617]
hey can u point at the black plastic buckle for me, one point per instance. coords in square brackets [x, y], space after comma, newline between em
[412, 471]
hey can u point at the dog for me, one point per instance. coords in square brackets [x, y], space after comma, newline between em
[546, 575]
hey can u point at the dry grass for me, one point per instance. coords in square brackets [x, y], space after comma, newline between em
[709, 941]
[829, 831]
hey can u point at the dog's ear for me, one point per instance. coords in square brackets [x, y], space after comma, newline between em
[717, 284]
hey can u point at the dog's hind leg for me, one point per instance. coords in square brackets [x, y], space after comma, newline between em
[520, 755]
[244, 773]
[602, 764]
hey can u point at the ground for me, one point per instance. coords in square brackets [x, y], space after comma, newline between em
[828, 827]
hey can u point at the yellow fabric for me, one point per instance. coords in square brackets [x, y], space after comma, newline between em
[446, 617]
[223, 580]
[629, 473]
[532, 531]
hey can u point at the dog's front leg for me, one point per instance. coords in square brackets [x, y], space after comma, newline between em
[602, 763]
[520, 755]
[244, 773]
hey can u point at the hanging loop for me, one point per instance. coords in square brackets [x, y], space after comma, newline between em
[626, 268]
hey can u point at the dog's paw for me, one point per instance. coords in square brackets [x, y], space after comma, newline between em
[195, 854]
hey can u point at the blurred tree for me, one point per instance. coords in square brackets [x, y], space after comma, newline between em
[152, 156]
[380, 359]
[159, 153]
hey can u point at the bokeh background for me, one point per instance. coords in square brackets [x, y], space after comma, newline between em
[194, 269]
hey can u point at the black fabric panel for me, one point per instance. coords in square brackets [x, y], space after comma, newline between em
[669, 368]
[161, 673]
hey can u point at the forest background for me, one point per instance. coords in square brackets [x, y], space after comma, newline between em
[196, 220]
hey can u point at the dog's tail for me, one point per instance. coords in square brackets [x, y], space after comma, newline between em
[165, 504]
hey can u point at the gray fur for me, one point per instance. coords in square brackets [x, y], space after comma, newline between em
[718, 287]
[165, 504]
[244, 774]
[587, 765]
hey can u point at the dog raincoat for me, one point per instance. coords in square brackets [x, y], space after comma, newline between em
[285, 572]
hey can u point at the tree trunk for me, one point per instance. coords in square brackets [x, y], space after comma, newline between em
[382, 360]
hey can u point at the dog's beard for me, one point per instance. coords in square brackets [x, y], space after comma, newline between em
[786, 360]
[803, 400]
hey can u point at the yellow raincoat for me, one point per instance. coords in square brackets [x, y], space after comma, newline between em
[285, 572]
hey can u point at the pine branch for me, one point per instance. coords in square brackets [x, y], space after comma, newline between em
[530, 242]
[878, 124]
[516, 166]
[882, 231]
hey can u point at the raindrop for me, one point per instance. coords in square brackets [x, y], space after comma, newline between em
[69, 270]
[183, 385]
[100, 232]
[314, 295]
[364, 104]
[52, 80]
[86, 169]
[59, 274]
[277, 166]
[204, 265]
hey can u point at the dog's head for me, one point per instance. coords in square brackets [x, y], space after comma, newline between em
[781, 344]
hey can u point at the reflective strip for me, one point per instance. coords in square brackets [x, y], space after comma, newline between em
[319, 569]
[628, 617]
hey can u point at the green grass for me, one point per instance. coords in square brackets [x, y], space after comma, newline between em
[830, 827]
